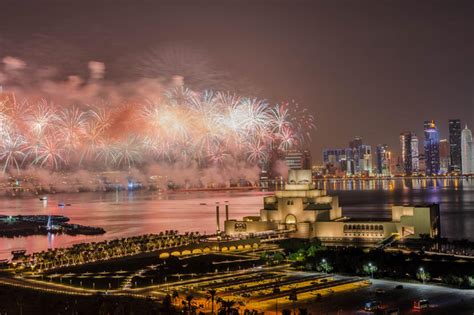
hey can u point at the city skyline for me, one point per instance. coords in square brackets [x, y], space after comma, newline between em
[387, 73]
[439, 155]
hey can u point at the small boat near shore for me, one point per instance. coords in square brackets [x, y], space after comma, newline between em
[43, 198]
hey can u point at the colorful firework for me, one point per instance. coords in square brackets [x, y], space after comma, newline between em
[208, 128]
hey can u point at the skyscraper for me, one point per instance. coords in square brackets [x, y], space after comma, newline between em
[347, 162]
[455, 145]
[431, 148]
[467, 154]
[339, 161]
[410, 156]
[295, 159]
[355, 146]
[383, 160]
[444, 156]
[365, 159]
[307, 160]
[415, 154]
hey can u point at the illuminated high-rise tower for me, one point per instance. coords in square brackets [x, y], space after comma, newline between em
[455, 145]
[410, 154]
[383, 160]
[298, 159]
[431, 148]
[444, 156]
[467, 151]
[415, 154]
[355, 146]
[365, 159]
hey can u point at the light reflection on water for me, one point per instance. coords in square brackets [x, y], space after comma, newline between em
[374, 198]
[397, 183]
[124, 213]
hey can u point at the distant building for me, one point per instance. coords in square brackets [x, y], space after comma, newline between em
[455, 145]
[431, 146]
[307, 160]
[355, 145]
[298, 159]
[383, 160]
[346, 162]
[410, 155]
[467, 154]
[444, 156]
[422, 164]
[330, 157]
[365, 159]
[264, 176]
[339, 161]
[396, 166]
[415, 154]
[318, 170]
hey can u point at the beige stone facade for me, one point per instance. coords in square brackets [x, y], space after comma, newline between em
[306, 212]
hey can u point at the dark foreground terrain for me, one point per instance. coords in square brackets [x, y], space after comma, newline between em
[22, 301]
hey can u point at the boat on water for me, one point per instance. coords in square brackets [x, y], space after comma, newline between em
[43, 198]
[61, 204]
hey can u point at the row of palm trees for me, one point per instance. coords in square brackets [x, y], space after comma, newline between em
[189, 305]
[105, 250]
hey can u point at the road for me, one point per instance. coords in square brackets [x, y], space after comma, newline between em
[443, 300]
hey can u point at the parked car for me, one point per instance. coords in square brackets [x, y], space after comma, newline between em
[421, 304]
[372, 306]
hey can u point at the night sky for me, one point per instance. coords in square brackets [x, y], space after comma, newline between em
[363, 68]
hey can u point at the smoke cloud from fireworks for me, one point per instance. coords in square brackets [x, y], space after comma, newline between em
[91, 124]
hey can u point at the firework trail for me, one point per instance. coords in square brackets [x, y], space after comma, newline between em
[181, 126]
[182, 61]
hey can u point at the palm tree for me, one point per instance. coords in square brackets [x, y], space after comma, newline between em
[228, 307]
[293, 297]
[212, 293]
[175, 295]
[189, 299]
[276, 291]
[167, 303]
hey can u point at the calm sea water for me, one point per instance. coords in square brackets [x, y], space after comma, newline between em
[131, 213]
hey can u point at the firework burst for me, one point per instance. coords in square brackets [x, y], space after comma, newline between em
[208, 128]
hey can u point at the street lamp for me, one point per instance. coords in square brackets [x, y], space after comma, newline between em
[276, 291]
[422, 274]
